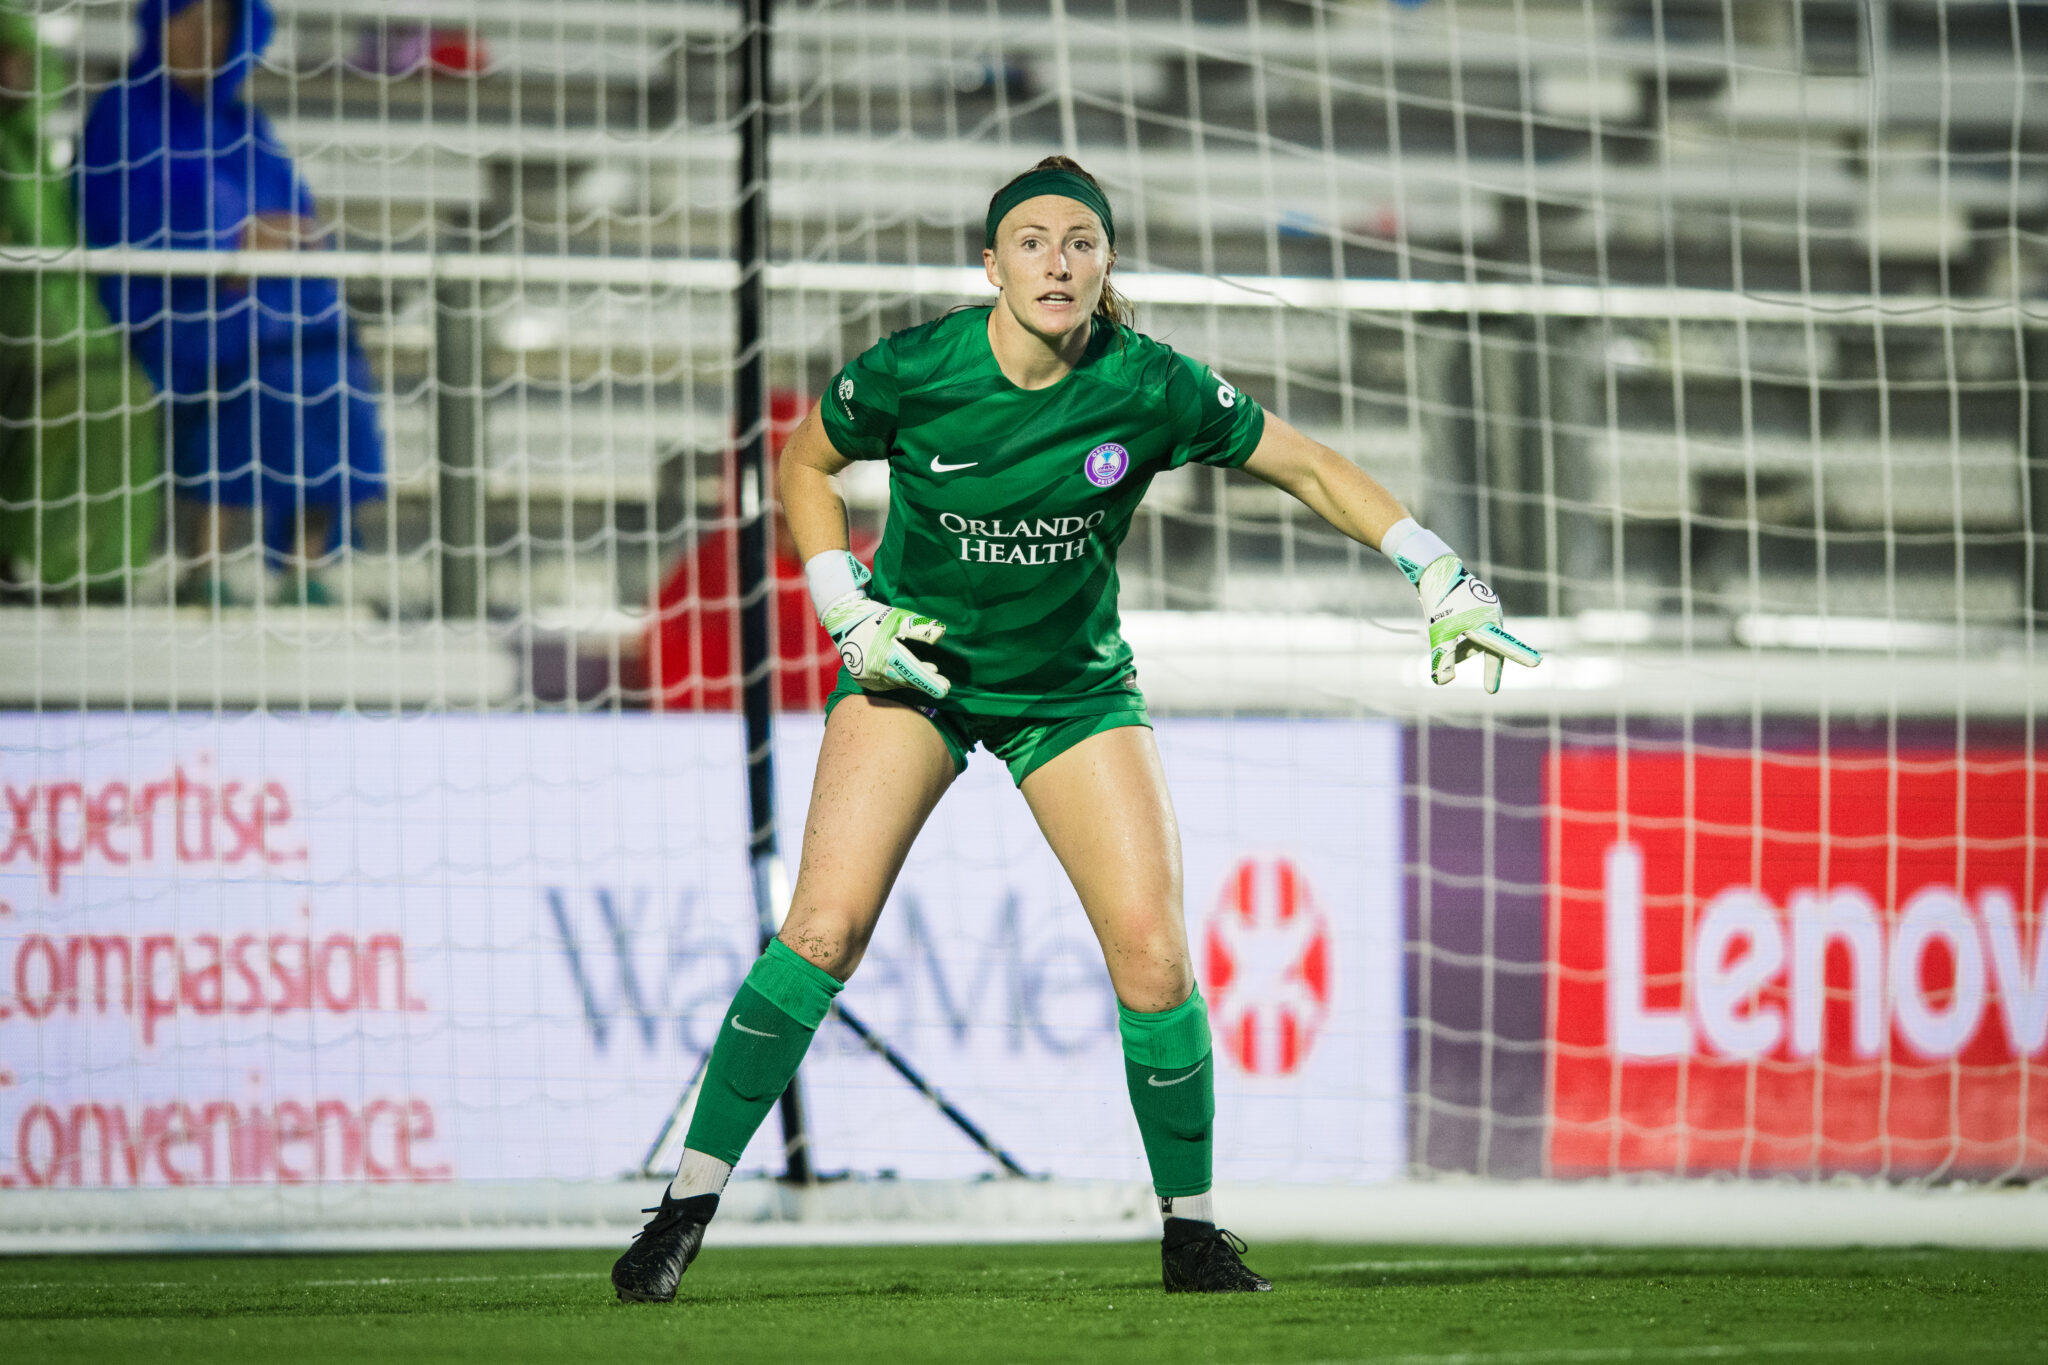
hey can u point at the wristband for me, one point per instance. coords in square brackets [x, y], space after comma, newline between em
[1412, 547]
[831, 576]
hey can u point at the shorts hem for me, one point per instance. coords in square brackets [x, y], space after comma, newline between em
[1051, 708]
[963, 724]
[1108, 720]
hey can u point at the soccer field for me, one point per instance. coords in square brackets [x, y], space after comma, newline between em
[1430, 1306]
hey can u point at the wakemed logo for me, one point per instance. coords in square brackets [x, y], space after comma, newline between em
[1106, 464]
[845, 397]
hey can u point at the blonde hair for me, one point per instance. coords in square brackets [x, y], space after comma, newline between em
[1111, 305]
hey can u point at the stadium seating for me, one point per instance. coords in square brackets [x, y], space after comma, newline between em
[1616, 143]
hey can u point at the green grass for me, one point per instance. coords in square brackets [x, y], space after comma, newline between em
[897, 1305]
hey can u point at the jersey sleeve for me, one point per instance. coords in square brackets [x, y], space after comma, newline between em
[1214, 423]
[860, 404]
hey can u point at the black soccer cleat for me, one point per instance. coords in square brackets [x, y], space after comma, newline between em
[653, 1266]
[1201, 1258]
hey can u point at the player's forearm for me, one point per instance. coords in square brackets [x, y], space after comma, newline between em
[1350, 499]
[810, 496]
[816, 512]
[1329, 485]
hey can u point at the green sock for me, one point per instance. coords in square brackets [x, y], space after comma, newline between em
[764, 1035]
[1173, 1092]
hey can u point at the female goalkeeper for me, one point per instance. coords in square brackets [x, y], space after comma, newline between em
[1020, 438]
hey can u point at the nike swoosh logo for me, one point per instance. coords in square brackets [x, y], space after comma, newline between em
[940, 467]
[1154, 1080]
[756, 1032]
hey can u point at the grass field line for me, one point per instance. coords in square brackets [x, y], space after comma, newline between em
[309, 1284]
[460, 1279]
[1566, 1261]
[1599, 1355]
[1589, 1258]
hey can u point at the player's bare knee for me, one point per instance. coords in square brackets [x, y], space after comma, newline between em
[831, 941]
[1150, 936]
[1153, 979]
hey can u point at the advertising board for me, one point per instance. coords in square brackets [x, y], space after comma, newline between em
[245, 949]
[1796, 962]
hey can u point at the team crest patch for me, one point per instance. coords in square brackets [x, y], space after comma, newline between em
[1106, 464]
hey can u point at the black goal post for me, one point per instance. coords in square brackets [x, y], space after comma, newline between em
[756, 582]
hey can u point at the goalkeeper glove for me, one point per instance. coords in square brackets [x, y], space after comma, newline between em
[1464, 614]
[871, 635]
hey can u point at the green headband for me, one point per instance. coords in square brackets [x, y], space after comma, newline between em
[1054, 181]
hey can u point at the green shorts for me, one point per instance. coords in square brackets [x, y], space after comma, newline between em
[1025, 744]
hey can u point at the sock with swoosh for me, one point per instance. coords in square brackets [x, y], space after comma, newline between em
[1173, 1092]
[765, 1033]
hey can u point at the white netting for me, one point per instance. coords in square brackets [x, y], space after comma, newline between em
[1708, 332]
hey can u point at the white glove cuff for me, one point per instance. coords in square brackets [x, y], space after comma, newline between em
[1412, 542]
[831, 576]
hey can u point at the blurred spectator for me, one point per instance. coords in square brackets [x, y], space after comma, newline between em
[271, 412]
[693, 643]
[79, 455]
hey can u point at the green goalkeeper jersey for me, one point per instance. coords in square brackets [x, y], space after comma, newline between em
[1007, 505]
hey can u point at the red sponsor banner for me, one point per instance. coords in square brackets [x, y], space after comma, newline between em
[1783, 963]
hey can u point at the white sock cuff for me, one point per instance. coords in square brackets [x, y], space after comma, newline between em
[831, 576]
[1408, 540]
[1199, 1207]
[699, 1174]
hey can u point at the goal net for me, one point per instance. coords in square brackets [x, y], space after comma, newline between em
[371, 662]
